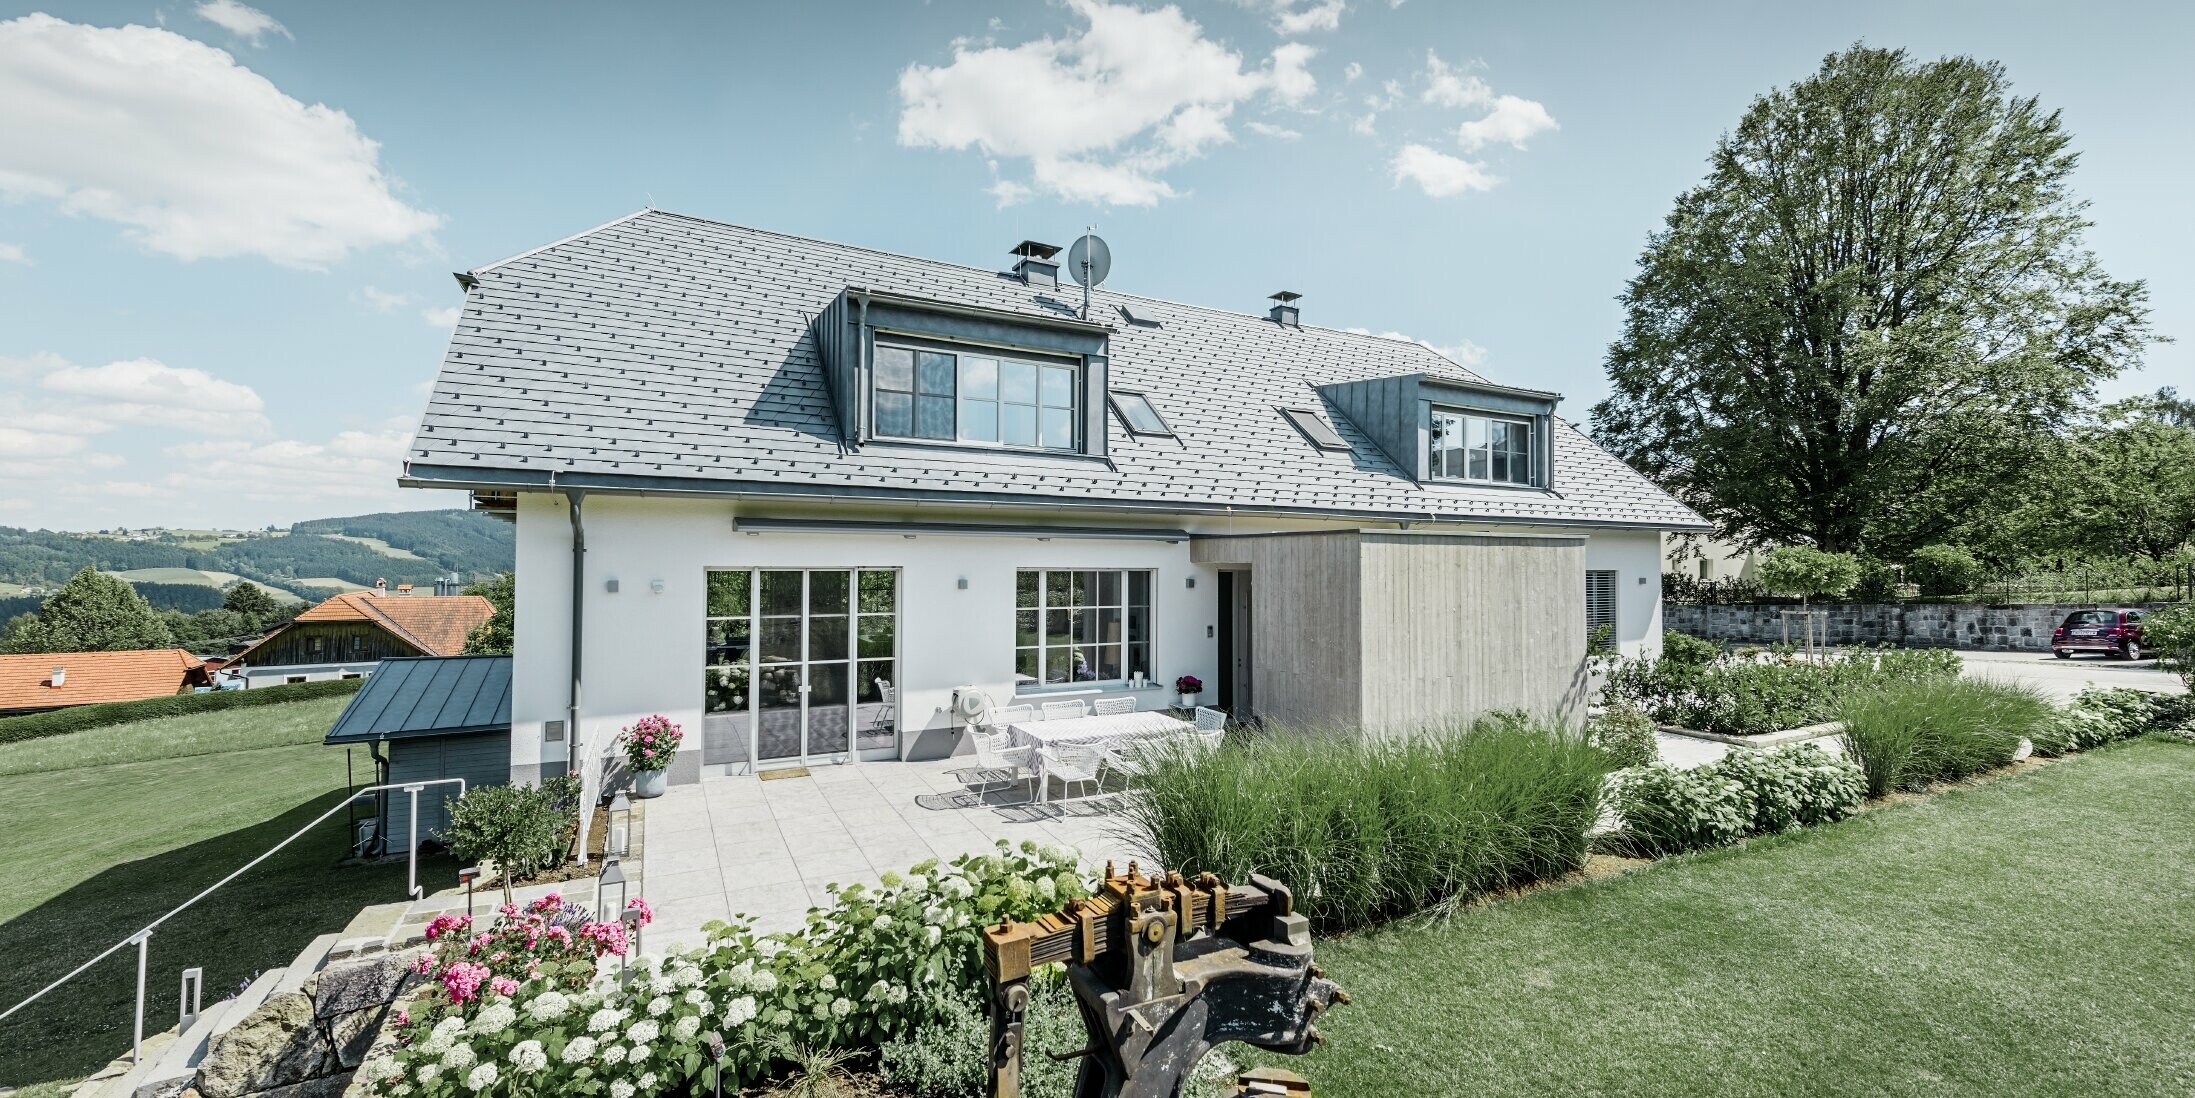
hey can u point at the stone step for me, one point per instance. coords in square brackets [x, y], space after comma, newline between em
[181, 1056]
[248, 1000]
[309, 960]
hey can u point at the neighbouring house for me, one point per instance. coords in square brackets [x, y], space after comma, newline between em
[428, 717]
[810, 500]
[38, 681]
[1709, 558]
[344, 637]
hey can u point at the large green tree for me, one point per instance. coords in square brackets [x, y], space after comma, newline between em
[494, 636]
[2127, 484]
[92, 612]
[253, 603]
[1850, 333]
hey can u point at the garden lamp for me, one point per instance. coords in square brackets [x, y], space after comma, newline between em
[613, 876]
[469, 876]
[621, 825]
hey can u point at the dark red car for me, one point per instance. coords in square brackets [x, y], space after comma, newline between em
[2111, 632]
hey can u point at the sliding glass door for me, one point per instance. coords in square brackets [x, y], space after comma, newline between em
[801, 666]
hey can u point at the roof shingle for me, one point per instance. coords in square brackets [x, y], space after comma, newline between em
[26, 681]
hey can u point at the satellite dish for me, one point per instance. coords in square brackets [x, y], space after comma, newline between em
[1090, 260]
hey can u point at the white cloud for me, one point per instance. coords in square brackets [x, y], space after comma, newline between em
[1512, 121]
[144, 392]
[131, 489]
[441, 318]
[1448, 87]
[1437, 173]
[1267, 129]
[196, 155]
[1322, 16]
[383, 301]
[1366, 123]
[14, 253]
[1351, 71]
[1100, 114]
[351, 465]
[241, 20]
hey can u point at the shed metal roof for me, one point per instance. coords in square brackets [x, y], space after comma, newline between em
[411, 697]
[674, 353]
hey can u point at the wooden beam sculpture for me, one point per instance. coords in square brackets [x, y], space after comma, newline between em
[1164, 969]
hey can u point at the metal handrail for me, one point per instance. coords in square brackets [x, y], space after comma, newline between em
[143, 938]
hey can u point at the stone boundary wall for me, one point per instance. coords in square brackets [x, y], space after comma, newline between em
[1916, 625]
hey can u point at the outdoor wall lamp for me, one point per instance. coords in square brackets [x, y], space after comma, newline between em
[964, 583]
[613, 876]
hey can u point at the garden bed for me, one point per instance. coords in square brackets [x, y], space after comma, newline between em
[1755, 692]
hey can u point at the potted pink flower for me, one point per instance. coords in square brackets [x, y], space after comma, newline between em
[1189, 686]
[649, 745]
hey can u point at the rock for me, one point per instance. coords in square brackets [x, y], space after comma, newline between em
[278, 1045]
[331, 1086]
[357, 985]
[354, 1033]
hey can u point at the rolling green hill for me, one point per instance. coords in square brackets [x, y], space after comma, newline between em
[307, 561]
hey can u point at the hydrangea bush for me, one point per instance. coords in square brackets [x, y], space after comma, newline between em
[1667, 810]
[876, 964]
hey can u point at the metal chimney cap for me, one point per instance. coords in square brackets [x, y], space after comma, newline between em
[1286, 296]
[1035, 249]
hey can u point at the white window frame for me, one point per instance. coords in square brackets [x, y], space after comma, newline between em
[959, 355]
[1462, 418]
[1043, 648]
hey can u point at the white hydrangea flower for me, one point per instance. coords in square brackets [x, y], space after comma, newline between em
[696, 997]
[642, 1031]
[881, 922]
[482, 1077]
[933, 914]
[548, 1006]
[769, 947]
[661, 984]
[606, 1018]
[876, 991]
[495, 1019]
[613, 1054]
[896, 994]
[377, 1070]
[841, 1007]
[449, 1027]
[1046, 889]
[459, 1057]
[647, 1080]
[426, 1072]
[637, 1053]
[688, 975]
[685, 1028]
[828, 982]
[740, 1012]
[917, 883]
[578, 1049]
[765, 981]
[822, 1010]
[621, 1089]
[931, 935]
[527, 1056]
[659, 1005]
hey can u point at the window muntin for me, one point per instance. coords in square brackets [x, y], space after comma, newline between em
[1485, 448]
[1137, 414]
[947, 396]
[1081, 625]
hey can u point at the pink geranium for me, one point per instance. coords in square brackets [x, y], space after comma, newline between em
[462, 980]
[650, 743]
[647, 914]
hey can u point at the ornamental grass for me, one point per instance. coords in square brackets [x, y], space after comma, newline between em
[1910, 735]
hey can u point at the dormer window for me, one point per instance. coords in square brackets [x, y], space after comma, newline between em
[1472, 446]
[942, 395]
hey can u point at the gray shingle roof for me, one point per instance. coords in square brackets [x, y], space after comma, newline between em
[662, 347]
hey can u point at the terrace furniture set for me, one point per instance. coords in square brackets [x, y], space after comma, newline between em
[1080, 744]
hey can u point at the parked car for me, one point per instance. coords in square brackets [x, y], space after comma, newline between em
[2111, 632]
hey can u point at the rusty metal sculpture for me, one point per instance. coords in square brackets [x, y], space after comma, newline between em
[1165, 969]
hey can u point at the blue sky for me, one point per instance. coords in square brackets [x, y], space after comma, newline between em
[226, 231]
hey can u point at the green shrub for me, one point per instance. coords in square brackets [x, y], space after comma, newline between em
[2097, 717]
[1806, 571]
[523, 829]
[1793, 786]
[1687, 649]
[1366, 828]
[83, 718]
[1626, 734]
[1878, 582]
[1909, 735]
[948, 1057]
[2170, 635]
[1747, 693]
[1667, 810]
[1944, 570]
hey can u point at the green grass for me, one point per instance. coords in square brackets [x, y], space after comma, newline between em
[2028, 936]
[93, 852]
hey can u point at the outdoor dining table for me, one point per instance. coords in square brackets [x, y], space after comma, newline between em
[1039, 735]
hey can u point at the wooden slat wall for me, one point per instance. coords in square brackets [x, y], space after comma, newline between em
[1304, 623]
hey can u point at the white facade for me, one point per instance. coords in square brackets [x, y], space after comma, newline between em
[644, 649]
[307, 672]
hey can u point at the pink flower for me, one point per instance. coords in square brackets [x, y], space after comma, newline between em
[445, 923]
[647, 914]
[608, 938]
[504, 985]
[403, 1018]
[463, 979]
[424, 965]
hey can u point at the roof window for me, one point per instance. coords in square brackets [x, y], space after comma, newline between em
[1315, 429]
[1137, 414]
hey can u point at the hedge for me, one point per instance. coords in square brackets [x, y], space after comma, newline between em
[83, 718]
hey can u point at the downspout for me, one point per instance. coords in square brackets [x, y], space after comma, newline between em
[380, 800]
[575, 756]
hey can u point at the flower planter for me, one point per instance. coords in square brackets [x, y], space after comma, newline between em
[649, 783]
[1188, 701]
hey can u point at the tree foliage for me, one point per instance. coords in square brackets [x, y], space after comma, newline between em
[1851, 333]
[249, 601]
[1806, 572]
[1944, 570]
[92, 612]
[494, 636]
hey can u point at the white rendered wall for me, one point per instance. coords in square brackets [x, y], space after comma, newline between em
[643, 650]
[1634, 555]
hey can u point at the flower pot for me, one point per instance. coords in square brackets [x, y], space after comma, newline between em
[1189, 701]
[649, 783]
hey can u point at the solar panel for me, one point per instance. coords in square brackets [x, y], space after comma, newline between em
[1314, 428]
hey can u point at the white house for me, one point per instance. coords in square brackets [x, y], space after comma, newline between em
[759, 477]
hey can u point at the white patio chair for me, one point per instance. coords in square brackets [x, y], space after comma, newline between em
[1106, 707]
[1005, 717]
[1074, 764]
[1133, 755]
[996, 754]
[1059, 711]
[1211, 720]
[889, 712]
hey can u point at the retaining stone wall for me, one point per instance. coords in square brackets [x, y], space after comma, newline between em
[1913, 625]
[307, 1043]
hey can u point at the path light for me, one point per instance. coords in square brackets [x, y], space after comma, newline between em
[621, 825]
[469, 876]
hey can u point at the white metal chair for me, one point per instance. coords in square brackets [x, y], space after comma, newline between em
[1106, 707]
[1063, 710]
[889, 713]
[1211, 729]
[1005, 717]
[996, 754]
[1074, 764]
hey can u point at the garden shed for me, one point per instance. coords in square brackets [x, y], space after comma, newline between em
[426, 718]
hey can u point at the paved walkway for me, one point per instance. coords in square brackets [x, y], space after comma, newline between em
[2062, 679]
[769, 848]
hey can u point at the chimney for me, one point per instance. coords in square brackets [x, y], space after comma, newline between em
[1284, 311]
[60, 676]
[1035, 265]
[380, 587]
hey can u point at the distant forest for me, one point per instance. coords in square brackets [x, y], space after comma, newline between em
[468, 543]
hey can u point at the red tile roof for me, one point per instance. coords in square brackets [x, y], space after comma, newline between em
[26, 681]
[434, 624]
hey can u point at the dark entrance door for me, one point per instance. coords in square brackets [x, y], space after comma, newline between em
[1234, 643]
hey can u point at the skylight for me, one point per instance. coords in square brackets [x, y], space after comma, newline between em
[1314, 428]
[1138, 415]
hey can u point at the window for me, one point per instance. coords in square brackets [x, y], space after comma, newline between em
[292, 680]
[1468, 446]
[960, 397]
[1314, 428]
[1081, 626]
[1600, 602]
[1138, 416]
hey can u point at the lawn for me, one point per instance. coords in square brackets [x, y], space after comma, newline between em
[2025, 936]
[106, 829]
